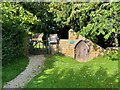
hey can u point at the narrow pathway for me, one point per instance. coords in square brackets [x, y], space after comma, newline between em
[33, 68]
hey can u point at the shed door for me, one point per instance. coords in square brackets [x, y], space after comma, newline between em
[82, 51]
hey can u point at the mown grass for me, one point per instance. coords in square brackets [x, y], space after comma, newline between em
[64, 72]
[11, 70]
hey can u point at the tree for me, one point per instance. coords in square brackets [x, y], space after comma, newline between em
[89, 19]
[46, 23]
[16, 23]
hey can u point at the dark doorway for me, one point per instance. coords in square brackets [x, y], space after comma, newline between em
[82, 51]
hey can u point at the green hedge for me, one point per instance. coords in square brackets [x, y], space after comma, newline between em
[16, 22]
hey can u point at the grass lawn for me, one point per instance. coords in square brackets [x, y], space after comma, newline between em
[10, 71]
[65, 72]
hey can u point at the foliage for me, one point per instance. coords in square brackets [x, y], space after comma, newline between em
[64, 72]
[112, 54]
[9, 71]
[90, 19]
[102, 21]
[94, 20]
[46, 23]
[16, 22]
[61, 12]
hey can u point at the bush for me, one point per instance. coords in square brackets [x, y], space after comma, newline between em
[112, 55]
[16, 23]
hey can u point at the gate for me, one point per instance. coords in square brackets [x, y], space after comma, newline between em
[37, 46]
[82, 51]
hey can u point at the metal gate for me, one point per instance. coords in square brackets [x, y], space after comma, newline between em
[44, 44]
[82, 51]
[37, 46]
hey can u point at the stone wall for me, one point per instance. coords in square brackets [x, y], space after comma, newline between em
[66, 46]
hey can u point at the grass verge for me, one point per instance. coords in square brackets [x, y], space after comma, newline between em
[65, 72]
[11, 70]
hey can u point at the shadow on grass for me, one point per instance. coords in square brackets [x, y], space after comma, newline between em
[13, 69]
[67, 77]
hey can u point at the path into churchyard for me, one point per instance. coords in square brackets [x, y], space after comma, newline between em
[33, 68]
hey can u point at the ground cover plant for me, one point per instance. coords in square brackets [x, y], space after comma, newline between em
[63, 72]
[11, 70]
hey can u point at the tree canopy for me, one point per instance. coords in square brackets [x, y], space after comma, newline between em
[45, 18]
[91, 20]
[97, 21]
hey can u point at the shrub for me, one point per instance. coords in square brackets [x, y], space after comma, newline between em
[112, 54]
[16, 22]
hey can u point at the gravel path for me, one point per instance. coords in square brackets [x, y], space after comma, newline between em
[33, 68]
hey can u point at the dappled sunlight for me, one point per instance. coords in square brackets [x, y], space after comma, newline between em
[67, 72]
[49, 71]
[42, 77]
[80, 41]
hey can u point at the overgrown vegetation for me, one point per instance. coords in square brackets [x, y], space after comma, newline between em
[46, 23]
[97, 21]
[112, 55]
[16, 22]
[63, 72]
[10, 71]
[94, 20]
